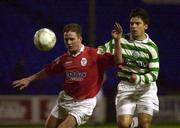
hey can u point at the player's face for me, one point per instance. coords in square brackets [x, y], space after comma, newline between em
[138, 28]
[72, 42]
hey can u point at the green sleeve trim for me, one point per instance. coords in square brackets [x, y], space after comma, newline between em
[154, 76]
[146, 79]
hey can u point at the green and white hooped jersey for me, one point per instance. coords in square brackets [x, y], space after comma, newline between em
[140, 57]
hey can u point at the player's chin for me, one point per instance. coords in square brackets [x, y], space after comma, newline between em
[135, 35]
[69, 48]
[72, 51]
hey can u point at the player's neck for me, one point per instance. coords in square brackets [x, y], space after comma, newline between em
[75, 52]
[140, 38]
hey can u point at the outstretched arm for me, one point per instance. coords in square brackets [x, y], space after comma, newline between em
[116, 35]
[24, 82]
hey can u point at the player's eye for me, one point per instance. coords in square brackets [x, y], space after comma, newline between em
[65, 39]
[71, 39]
[138, 23]
[132, 23]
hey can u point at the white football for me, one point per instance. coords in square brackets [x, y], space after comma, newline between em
[44, 39]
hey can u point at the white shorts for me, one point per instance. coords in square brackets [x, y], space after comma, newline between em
[80, 109]
[139, 98]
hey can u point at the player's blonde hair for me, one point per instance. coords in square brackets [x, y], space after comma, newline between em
[74, 28]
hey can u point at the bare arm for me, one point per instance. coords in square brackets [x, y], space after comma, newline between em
[116, 34]
[24, 82]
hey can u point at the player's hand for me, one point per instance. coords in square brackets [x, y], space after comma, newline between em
[117, 31]
[133, 78]
[21, 84]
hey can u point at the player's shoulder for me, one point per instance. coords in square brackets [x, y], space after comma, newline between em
[90, 49]
[152, 44]
[64, 55]
[126, 36]
[150, 41]
[61, 58]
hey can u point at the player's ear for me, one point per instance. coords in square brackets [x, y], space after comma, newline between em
[146, 26]
[80, 38]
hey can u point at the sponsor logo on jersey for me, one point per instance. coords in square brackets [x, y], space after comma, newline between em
[137, 63]
[76, 76]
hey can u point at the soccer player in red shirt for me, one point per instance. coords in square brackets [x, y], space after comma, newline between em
[83, 68]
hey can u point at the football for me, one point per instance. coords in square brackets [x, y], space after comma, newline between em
[44, 39]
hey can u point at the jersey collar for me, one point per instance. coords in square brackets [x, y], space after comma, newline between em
[143, 41]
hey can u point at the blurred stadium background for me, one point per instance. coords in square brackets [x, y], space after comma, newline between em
[18, 56]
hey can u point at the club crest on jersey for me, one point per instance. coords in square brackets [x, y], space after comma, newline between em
[83, 62]
[135, 54]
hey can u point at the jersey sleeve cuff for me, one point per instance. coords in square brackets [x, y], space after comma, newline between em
[137, 79]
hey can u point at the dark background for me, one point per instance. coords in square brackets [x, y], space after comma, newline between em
[21, 18]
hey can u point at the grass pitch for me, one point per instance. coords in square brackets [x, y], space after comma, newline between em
[172, 125]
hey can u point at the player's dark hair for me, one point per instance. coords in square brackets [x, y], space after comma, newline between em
[141, 13]
[73, 28]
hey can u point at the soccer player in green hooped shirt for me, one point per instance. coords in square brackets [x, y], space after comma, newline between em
[137, 90]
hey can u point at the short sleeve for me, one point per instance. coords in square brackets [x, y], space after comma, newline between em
[55, 67]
